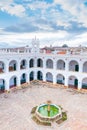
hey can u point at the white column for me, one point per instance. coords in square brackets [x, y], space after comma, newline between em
[80, 67]
[7, 84]
[54, 79]
[35, 62]
[66, 81]
[54, 65]
[18, 81]
[35, 75]
[44, 63]
[27, 65]
[18, 65]
[79, 84]
[44, 77]
[27, 78]
[6, 67]
[66, 66]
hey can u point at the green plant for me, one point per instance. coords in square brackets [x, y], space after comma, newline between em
[64, 116]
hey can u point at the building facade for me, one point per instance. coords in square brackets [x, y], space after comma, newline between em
[21, 65]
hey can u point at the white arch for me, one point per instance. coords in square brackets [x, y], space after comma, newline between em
[13, 65]
[2, 67]
[39, 75]
[31, 75]
[60, 79]
[73, 81]
[2, 85]
[85, 67]
[23, 64]
[49, 63]
[39, 62]
[84, 83]
[61, 64]
[49, 77]
[73, 65]
[23, 78]
[31, 62]
[13, 81]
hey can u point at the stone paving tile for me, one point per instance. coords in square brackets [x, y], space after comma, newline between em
[15, 108]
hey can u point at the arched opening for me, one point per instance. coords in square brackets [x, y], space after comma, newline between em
[39, 63]
[2, 67]
[85, 67]
[12, 65]
[73, 66]
[60, 65]
[84, 83]
[39, 75]
[23, 64]
[60, 79]
[73, 82]
[2, 85]
[49, 64]
[49, 77]
[13, 82]
[31, 76]
[31, 63]
[23, 78]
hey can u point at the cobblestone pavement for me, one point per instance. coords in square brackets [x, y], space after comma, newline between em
[15, 108]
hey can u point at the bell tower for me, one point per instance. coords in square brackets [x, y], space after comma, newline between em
[35, 45]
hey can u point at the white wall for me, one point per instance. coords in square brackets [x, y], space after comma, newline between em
[18, 57]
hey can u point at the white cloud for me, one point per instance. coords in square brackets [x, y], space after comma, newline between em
[38, 5]
[12, 8]
[76, 8]
[25, 38]
[5, 2]
[46, 39]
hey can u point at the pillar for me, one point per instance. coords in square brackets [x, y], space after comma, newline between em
[18, 81]
[44, 64]
[66, 81]
[80, 67]
[79, 84]
[54, 79]
[66, 66]
[54, 65]
[44, 77]
[7, 84]
[27, 65]
[27, 78]
[18, 65]
[35, 62]
[6, 67]
[35, 75]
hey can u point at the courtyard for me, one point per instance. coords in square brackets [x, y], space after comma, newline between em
[15, 107]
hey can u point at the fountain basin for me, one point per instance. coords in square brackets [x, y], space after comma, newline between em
[43, 114]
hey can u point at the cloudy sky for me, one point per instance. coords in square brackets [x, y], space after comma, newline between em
[54, 22]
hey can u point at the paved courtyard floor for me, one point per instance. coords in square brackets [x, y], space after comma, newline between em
[15, 108]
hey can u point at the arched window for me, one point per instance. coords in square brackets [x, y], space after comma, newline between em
[49, 77]
[73, 65]
[49, 64]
